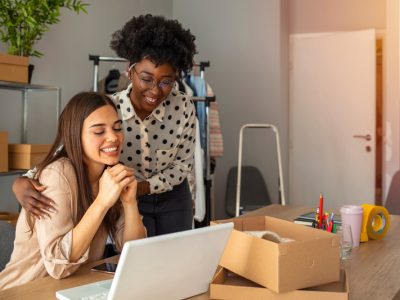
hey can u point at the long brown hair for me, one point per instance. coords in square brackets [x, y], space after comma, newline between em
[68, 143]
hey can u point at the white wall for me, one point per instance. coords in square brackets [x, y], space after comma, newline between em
[341, 15]
[242, 40]
[391, 107]
[337, 15]
[65, 64]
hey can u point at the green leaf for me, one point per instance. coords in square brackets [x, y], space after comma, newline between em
[23, 22]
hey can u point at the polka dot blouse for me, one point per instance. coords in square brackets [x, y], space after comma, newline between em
[161, 147]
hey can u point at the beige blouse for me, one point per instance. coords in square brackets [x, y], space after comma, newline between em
[47, 251]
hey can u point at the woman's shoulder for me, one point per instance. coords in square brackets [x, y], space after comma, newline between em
[179, 95]
[63, 166]
[121, 94]
[181, 99]
[61, 163]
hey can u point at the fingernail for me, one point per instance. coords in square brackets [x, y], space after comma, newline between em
[52, 210]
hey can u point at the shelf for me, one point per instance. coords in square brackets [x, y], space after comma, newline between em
[16, 86]
[13, 172]
[26, 88]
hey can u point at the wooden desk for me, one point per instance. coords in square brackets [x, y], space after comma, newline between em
[373, 268]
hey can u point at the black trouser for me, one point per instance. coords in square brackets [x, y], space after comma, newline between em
[167, 212]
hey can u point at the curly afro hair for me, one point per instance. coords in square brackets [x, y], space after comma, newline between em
[158, 39]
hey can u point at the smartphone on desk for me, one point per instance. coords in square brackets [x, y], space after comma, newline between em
[105, 267]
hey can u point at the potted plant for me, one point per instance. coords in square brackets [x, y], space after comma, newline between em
[23, 23]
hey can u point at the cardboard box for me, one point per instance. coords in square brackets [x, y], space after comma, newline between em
[311, 260]
[26, 156]
[9, 217]
[14, 68]
[3, 151]
[227, 285]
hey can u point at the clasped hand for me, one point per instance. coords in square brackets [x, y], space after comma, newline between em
[117, 182]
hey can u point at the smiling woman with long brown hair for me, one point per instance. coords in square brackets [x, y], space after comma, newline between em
[94, 195]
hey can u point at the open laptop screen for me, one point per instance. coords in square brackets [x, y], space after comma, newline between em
[171, 266]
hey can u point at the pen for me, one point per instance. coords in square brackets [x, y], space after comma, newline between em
[316, 219]
[326, 221]
[334, 227]
[329, 223]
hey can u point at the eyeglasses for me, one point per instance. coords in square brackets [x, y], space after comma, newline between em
[148, 82]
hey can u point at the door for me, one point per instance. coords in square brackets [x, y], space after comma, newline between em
[332, 118]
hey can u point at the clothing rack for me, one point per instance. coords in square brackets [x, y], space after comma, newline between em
[96, 61]
[207, 100]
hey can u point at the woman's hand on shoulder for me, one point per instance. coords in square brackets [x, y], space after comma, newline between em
[29, 194]
[113, 182]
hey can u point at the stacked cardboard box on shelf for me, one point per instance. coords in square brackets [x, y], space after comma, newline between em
[26, 156]
[264, 267]
[3, 151]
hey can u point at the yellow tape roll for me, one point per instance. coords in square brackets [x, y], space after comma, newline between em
[376, 222]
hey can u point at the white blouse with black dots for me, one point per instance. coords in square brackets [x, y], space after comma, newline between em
[161, 147]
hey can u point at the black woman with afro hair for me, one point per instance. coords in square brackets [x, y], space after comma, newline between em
[158, 123]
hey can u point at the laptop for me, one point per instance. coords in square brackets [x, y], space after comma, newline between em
[171, 266]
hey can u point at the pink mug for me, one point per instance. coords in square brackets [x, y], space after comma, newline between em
[352, 215]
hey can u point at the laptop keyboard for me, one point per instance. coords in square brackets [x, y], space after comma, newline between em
[100, 296]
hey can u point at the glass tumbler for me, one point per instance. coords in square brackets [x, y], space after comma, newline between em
[345, 241]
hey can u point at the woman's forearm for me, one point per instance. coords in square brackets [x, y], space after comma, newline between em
[84, 232]
[133, 228]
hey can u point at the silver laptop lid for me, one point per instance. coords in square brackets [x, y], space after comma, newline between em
[171, 266]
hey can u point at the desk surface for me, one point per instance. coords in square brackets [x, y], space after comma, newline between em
[373, 268]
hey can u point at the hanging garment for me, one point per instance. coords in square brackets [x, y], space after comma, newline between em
[111, 83]
[197, 177]
[187, 89]
[179, 86]
[112, 86]
[216, 141]
[198, 85]
[191, 86]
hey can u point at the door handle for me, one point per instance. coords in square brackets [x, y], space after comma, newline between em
[367, 137]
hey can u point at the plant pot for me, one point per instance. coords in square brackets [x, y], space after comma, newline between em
[14, 68]
[30, 72]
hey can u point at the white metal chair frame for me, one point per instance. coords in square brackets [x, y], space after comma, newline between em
[278, 152]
